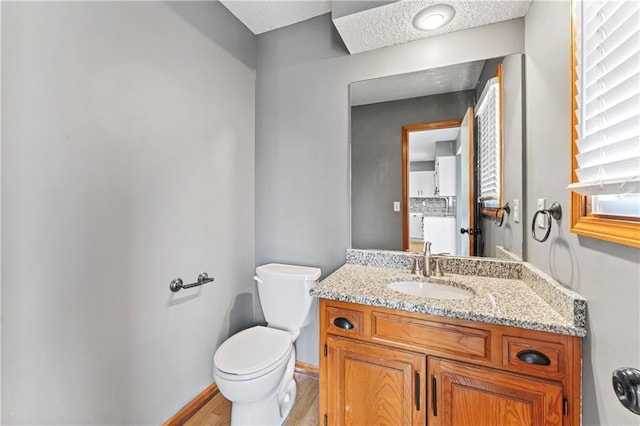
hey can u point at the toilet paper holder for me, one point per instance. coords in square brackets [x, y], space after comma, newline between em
[626, 385]
[177, 283]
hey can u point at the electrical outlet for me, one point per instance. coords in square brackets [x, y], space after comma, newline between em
[541, 205]
[396, 206]
[516, 211]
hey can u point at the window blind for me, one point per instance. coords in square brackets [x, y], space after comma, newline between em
[488, 115]
[608, 97]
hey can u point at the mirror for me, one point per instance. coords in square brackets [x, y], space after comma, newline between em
[389, 118]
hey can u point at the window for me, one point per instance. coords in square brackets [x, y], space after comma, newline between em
[488, 113]
[606, 120]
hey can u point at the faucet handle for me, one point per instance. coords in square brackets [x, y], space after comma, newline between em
[415, 269]
[437, 272]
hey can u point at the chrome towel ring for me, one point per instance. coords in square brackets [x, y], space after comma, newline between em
[555, 211]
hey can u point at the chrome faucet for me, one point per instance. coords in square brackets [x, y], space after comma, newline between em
[426, 264]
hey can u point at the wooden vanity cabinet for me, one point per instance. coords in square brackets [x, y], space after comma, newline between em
[374, 385]
[380, 366]
[464, 395]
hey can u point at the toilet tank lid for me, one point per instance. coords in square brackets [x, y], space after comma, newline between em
[288, 272]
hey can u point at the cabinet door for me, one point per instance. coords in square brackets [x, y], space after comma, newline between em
[414, 184]
[372, 385]
[446, 171]
[460, 394]
[441, 231]
[422, 184]
[429, 184]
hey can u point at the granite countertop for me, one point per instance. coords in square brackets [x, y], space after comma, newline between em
[507, 301]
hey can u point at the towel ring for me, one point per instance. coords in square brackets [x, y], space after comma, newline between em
[505, 209]
[555, 211]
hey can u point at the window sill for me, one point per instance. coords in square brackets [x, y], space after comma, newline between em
[616, 231]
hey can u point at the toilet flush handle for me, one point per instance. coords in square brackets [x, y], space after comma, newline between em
[258, 279]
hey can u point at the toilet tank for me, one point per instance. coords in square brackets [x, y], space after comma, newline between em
[284, 295]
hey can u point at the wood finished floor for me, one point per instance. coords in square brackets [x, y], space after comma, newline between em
[304, 413]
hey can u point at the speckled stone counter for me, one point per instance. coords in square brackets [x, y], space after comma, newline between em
[515, 295]
[503, 253]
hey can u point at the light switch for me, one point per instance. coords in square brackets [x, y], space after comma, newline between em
[396, 206]
[516, 211]
[540, 219]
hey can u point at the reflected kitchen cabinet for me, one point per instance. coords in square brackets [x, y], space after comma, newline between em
[422, 184]
[441, 231]
[446, 176]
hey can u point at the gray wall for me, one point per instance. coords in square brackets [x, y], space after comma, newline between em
[606, 274]
[376, 162]
[447, 148]
[127, 161]
[302, 133]
[510, 235]
[488, 72]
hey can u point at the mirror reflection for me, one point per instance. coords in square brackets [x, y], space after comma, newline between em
[414, 161]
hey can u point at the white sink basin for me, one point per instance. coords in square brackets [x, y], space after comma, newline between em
[430, 290]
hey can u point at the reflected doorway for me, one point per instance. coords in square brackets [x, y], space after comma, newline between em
[437, 185]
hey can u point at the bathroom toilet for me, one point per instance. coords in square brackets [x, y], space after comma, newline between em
[254, 368]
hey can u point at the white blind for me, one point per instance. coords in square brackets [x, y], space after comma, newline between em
[608, 97]
[488, 114]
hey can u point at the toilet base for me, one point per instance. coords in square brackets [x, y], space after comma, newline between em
[272, 411]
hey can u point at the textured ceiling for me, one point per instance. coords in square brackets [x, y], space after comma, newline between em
[453, 78]
[392, 24]
[375, 27]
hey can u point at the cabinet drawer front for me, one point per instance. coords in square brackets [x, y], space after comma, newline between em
[345, 322]
[533, 356]
[431, 336]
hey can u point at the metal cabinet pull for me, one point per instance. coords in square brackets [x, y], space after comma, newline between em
[417, 391]
[434, 395]
[343, 323]
[533, 357]
[177, 284]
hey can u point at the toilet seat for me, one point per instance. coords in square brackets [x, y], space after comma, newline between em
[252, 353]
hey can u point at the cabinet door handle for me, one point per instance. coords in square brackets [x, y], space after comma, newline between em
[417, 391]
[343, 323]
[434, 395]
[533, 357]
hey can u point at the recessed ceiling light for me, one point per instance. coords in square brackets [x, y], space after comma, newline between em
[433, 17]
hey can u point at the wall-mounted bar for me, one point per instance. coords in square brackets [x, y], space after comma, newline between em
[177, 284]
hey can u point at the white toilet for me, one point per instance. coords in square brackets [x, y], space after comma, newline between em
[254, 368]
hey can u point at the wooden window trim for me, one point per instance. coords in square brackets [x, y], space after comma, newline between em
[491, 211]
[619, 231]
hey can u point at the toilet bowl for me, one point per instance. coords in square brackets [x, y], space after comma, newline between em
[254, 368]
